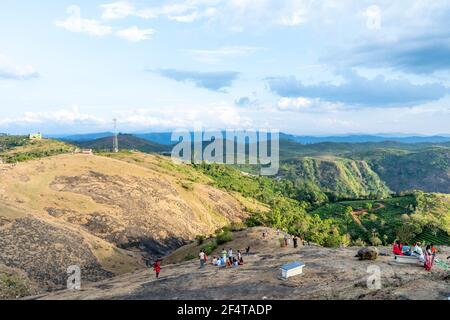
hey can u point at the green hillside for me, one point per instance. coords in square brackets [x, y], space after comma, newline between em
[401, 166]
[19, 148]
[336, 178]
[427, 170]
[307, 198]
[9, 142]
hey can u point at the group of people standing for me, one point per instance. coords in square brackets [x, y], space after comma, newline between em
[287, 240]
[228, 259]
[426, 256]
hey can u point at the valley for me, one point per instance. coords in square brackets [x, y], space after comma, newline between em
[112, 213]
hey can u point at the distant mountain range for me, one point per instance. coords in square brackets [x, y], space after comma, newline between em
[364, 139]
[164, 138]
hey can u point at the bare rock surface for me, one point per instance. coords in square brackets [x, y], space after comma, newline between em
[329, 274]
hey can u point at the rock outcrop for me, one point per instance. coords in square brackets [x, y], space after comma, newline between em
[370, 253]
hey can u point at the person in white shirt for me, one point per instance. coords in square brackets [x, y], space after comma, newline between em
[418, 252]
[201, 255]
[230, 255]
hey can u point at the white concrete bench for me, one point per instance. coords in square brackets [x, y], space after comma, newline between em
[407, 259]
[291, 270]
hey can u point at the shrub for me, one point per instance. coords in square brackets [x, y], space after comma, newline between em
[13, 287]
[200, 239]
[375, 241]
[210, 247]
[189, 256]
[224, 237]
[256, 220]
[359, 243]
[346, 240]
[237, 226]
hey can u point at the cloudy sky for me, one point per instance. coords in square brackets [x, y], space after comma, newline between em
[300, 66]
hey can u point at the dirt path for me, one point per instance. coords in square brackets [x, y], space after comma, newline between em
[365, 211]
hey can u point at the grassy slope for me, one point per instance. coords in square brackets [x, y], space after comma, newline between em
[28, 150]
[40, 193]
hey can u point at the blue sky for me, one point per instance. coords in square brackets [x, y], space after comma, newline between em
[299, 66]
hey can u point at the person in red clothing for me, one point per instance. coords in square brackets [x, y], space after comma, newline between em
[397, 248]
[157, 268]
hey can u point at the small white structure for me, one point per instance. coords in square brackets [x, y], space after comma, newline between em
[291, 270]
[407, 259]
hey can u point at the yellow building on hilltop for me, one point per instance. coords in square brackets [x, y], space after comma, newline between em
[35, 136]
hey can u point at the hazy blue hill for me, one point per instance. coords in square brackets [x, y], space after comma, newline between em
[84, 137]
[164, 138]
[361, 151]
[338, 169]
[364, 139]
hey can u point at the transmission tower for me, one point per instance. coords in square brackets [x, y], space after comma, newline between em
[115, 138]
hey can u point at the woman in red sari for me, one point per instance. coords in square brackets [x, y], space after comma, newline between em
[428, 258]
[397, 248]
[157, 268]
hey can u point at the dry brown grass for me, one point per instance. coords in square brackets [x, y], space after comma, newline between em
[133, 200]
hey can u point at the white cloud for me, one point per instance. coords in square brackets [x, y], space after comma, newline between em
[294, 104]
[217, 55]
[72, 115]
[11, 71]
[75, 23]
[239, 14]
[211, 116]
[302, 104]
[194, 15]
[117, 10]
[134, 34]
[184, 11]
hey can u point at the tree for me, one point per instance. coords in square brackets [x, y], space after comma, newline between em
[407, 231]
[348, 215]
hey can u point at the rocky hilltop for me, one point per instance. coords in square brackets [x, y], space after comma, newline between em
[329, 274]
[103, 214]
